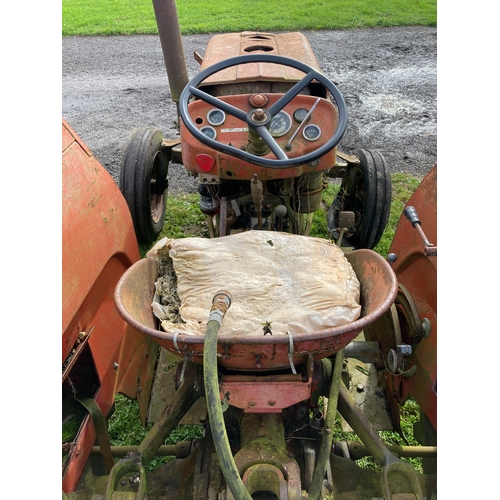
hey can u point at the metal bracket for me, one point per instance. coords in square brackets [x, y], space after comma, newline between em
[101, 430]
[176, 345]
[83, 338]
[290, 353]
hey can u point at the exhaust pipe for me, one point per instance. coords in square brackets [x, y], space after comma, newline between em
[171, 45]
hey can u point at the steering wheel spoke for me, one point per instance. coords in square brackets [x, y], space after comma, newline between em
[271, 142]
[224, 106]
[294, 91]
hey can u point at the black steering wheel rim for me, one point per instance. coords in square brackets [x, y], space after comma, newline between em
[310, 75]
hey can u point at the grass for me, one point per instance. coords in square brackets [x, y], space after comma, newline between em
[403, 186]
[129, 17]
[125, 429]
[184, 219]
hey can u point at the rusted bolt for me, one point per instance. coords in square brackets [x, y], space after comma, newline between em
[259, 115]
[271, 402]
[251, 403]
[258, 364]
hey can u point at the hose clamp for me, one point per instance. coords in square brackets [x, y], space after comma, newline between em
[216, 315]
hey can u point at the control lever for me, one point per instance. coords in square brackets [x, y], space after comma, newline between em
[411, 214]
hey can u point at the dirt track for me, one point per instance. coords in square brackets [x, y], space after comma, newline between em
[387, 76]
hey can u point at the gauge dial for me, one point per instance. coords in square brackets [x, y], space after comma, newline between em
[280, 124]
[300, 114]
[216, 117]
[311, 132]
[209, 132]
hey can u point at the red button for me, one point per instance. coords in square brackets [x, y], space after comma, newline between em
[206, 162]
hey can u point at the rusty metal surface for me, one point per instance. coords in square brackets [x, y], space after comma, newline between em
[94, 230]
[236, 132]
[263, 445]
[134, 293]
[268, 393]
[189, 391]
[171, 45]
[417, 272]
[224, 46]
[348, 408]
[98, 245]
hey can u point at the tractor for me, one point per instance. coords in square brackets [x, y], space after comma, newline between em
[259, 128]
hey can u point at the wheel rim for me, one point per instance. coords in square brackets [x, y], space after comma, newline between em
[156, 200]
[156, 207]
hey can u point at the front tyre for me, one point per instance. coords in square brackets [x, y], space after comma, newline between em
[366, 190]
[144, 182]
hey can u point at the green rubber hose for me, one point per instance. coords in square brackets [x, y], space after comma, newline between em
[216, 418]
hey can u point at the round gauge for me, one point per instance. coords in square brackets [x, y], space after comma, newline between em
[280, 124]
[311, 132]
[216, 117]
[300, 114]
[209, 132]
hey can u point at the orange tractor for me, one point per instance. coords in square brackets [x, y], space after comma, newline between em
[259, 128]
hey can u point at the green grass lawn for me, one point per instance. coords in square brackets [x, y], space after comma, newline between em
[126, 17]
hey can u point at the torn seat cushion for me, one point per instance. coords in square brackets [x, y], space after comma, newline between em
[294, 283]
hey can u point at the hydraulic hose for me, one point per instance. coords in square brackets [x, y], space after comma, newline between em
[220, 304]
[327, 438]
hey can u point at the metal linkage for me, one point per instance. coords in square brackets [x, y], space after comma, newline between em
[377, 448]
[411, 214]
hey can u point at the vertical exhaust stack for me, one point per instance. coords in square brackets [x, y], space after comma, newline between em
[171, 45]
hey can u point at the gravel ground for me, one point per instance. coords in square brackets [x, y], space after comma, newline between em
[388, 77]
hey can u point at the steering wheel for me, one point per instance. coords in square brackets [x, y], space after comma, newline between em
[257, 122]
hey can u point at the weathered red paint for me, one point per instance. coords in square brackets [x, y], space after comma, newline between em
[224, 46]
[135, 290]
[99, 244]
[418, 274]
[235, 132]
